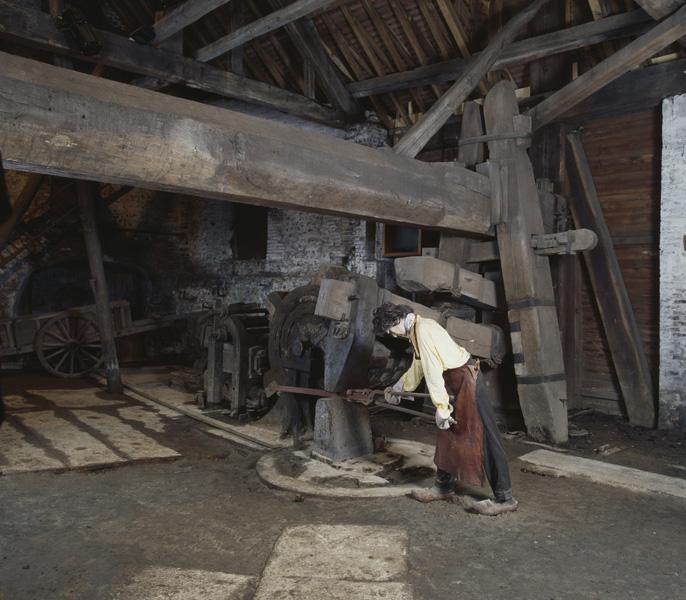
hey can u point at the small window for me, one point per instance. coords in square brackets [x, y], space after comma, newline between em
[407, 241]
[250, 225]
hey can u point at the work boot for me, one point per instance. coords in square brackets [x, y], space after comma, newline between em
[432, 494]
[492, 508]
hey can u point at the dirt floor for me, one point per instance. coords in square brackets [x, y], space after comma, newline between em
[204, 522]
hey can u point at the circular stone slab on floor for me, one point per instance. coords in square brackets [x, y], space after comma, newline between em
[401, 467]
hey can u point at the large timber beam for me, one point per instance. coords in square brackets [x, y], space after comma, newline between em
[273, 21]
[612, 299]
[75, 125]
[524, 51]
[37, 29]
[421, 132]
[632, 55]
[182, 16]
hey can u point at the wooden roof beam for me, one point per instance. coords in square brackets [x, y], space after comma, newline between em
[572, 38]
[273, 21]
[182, 16]
[632, 55]
[305, 37]
[131, 136]
[38, 30]
[418, 135]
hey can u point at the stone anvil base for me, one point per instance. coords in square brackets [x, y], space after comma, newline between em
[401, 467]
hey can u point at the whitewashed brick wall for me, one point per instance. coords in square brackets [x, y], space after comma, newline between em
[672, 395]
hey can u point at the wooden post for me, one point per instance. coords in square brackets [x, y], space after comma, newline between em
[612, 299]
[534, 327]
[547, 157]
[103, 313]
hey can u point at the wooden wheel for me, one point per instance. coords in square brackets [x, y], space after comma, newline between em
[69, 345]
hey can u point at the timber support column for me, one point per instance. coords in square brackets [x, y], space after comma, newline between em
[103, 313]
[532, 314]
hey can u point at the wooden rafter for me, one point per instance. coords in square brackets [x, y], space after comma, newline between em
[520, 52]
[418, 135]
[391, 43]
[411, 36]
[642, 48]
[182, 16]
[38, 30]
[307, 41]
[273, 21]
[374, 55]
[357, 66]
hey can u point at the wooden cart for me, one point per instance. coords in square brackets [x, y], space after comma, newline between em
[67, 343]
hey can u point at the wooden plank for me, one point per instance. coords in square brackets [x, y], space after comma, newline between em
[37, 29]
[429, 274]
[564, 465]
[304, 35]
[420, 133]
[612, 300]
[275, 20]
[565, 40]
[534, 328]
[642, 48]
[182, 16]
[103, 314]
[127, 135]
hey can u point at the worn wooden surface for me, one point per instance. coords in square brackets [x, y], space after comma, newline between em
[527, 279]
[421, 132]
[612, 300]
[127, 135]
[21, 24]
[632, 55]
[429, 274]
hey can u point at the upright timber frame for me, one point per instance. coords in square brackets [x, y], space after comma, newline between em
[532, 313]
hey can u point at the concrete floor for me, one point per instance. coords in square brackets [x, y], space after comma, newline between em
[203, 526]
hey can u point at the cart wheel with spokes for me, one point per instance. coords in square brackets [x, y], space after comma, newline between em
[69, 345]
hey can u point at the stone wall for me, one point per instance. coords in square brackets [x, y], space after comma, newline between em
[672, 394]
[184, 246]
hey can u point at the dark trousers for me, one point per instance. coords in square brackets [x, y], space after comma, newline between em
[494, 458]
